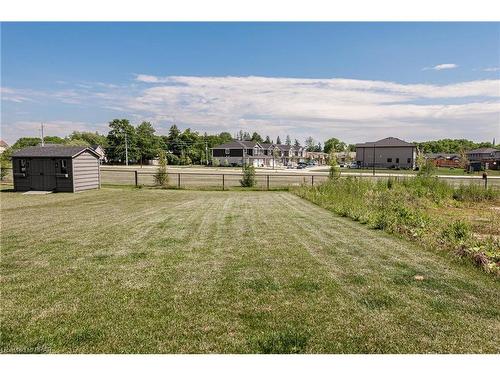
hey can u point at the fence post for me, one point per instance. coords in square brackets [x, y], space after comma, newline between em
[267, 182]
[223, 182]
[136, 179]
[179, 180]
[312, 180]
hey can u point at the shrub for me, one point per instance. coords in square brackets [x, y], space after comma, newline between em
[161, 176]
[458, 231]
[334, 172]
[248, 179]
[173, 159]
[474, 193]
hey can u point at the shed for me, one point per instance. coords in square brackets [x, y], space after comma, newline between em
[56, 168]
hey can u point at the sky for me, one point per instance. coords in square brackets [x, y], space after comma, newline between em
[354, 81]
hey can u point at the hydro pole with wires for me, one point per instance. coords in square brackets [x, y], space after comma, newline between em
[206, 152]
[126, 149]
[41, 134]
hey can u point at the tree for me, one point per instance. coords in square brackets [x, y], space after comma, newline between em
[334, 172]
[246, 136]
[147, 142]
[248, 179]
[54, 139]
[334, 145]
[122, 133]
[426, 167]
[5, 162]
[224, 137]
[268, 140]
[161, 176]
[174, 132]
[463, 161]
[297, 143]
[256, 137]
[76, 142]
[310, 146]
[276, 155]
[26, 142]
[88, 137]
[288, 140]
[278, 140]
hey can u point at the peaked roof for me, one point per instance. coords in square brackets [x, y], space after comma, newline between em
[3, 143]
[52, 151]
[238, 144]
[442, 155]
[483, 150]
[387, 142]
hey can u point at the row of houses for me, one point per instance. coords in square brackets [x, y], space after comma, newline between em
[261, 154]
[389, 152]
[480, 158]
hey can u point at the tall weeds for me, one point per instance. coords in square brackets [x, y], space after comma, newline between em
[402, 207]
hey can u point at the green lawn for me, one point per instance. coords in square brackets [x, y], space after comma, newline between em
[153, 271]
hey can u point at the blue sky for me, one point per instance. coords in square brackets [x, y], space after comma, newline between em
[354, 81]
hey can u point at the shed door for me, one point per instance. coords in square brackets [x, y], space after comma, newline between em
[36, 172]
[43, 175]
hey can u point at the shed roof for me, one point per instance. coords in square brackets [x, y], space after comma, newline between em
[387, 142]
[52, 151]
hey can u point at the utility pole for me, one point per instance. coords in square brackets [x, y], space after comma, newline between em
[41, 131]
[206, 151]
[126, 149]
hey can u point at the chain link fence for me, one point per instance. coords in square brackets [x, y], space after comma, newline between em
[265, 181]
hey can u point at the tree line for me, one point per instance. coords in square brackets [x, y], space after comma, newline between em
[190, 147]
[451, 146]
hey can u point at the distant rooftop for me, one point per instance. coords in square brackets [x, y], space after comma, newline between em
[386, 142]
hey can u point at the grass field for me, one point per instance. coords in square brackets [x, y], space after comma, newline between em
[154, 271]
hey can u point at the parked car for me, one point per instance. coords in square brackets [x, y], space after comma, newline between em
[301, 166]
[353, 166]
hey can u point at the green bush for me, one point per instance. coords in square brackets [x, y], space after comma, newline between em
[173, 159]
[458, 231]
[161, 175]
[248, 179]
[474, 193]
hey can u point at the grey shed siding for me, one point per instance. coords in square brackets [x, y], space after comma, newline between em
[85, 172]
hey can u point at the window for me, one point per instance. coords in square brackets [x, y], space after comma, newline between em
[22, 165]
[397, 160]
[408, 160]
[227, 151]
[389, 160]
[64, 166]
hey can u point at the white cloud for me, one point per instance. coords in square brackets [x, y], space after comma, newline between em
[442, 67]
[353, 110]
[492, 69]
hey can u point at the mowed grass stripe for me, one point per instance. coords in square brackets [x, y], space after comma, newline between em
[185, 271]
